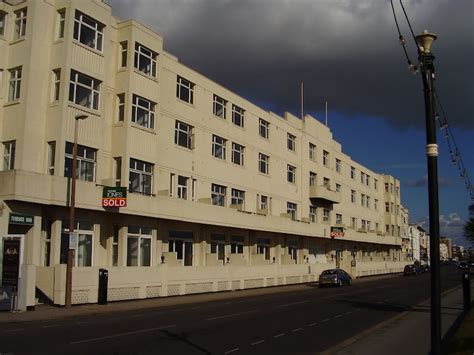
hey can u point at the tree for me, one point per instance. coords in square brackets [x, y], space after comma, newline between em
[469, 226]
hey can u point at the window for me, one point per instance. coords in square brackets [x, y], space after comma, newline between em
[375, 184]
[391, 188]
[325, 215]
[291, 173]
[182, 244]
[368, 225]
[46, 229]
[56, 85]
[88, 31]
[362, 178]
[387, 207]
[312, 152]
[183, 135]
[185, 90]
[338, 218]
[362, 199]
[263, 161]
[353, 196]
[368, 202]
[353, 172]
[145, 60]
[327, 183]
[263, 202]
[338, 187]
[183, 187]
[85, 163]
[219, 107]
[338, 165]
[325, 158]
[85, 236]
[238, 197]
[363, 225]
[218, 246]
[354, 222]
[376, 203]
[3, 20]
[237, 154]
[386, 187]
[264, 128]
[140, 177]
[398, 191]
[393, 230]
[290, 142]
[238, 116]
[291, 209]
[139, 246]
[391, 207]
[84, 90]
[121, 107]
[219, 147]
[376, 227]
[20, 24]
[367, 179]
[387, 229]
[218, 194]
[9, 155]
[61, 20]
[237, 245]
[293, 250]
[118, 171]
[124, 54]
[312, 214]
[312, 179]
[51, 157]
[263, 247]
[115, 242]
[143, 112]
[15, 84]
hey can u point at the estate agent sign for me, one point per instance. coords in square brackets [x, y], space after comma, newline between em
[11, 262]
[114, 197]
[337, 232]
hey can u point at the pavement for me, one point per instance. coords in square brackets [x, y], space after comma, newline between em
[411, 328]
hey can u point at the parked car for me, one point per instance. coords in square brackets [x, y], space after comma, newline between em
[463, 265]
[411, 270]
[334, 277]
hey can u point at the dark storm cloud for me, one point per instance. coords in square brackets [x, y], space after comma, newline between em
[345, 51]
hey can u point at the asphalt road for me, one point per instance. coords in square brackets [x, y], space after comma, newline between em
[303, 322]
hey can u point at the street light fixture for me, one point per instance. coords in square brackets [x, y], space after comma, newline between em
[426, 58]
[70, 253]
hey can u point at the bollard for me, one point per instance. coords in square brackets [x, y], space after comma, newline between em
[466, 290]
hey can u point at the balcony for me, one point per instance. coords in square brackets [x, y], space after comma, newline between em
[325, 194]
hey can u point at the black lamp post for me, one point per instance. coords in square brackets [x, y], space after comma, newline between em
[426, 59]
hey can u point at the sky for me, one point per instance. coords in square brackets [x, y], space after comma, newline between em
[347, 53]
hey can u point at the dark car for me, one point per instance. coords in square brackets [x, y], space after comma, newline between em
[463, 265]
[411, 270]
[334, 277]
[425, 268]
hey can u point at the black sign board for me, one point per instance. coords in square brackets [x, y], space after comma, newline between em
[11, 262]
[22, 219]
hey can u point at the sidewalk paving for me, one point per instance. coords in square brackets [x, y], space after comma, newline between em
[407, 333]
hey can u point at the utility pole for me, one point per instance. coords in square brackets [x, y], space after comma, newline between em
[426, 59]
[70, 252]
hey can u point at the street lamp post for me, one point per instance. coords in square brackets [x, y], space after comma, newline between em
[72, 211]
[426, 59]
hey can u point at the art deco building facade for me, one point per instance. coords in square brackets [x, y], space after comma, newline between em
[221, 193]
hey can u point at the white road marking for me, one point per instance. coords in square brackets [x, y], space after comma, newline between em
[292, 304]
[339, 315]
[122, 334]
[279, 335]
[232, 315]
[296, 330]
[325, 320]
[231, 351]
[51, 326]
[312, 324]
[258, 342]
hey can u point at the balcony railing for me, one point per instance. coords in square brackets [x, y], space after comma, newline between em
[324, 193]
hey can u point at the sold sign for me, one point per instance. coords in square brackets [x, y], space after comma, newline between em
[114, 197]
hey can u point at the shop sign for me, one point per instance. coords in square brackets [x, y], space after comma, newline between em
[337, 232]
[114, 197]
[22, 219]
[11, 262]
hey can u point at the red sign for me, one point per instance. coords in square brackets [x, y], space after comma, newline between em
[337, 232]
[114, 197]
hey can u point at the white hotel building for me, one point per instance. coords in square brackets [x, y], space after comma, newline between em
[222, 195]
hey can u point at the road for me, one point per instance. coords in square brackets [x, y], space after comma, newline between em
[303, 322]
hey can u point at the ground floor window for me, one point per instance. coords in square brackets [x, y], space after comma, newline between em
[218, 246]
[47, 243]
[115, 246]
[182, 244]
[139, 246]
[263, 247]
[85, 237]
[293, 249]
[237, 245]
